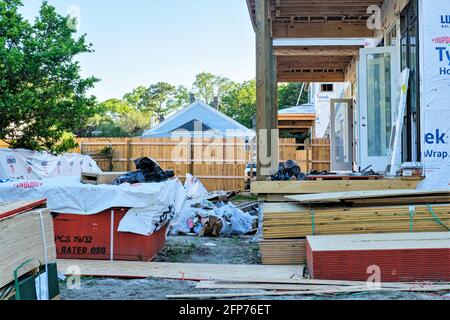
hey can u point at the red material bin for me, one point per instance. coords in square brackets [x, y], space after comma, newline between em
[89, 237]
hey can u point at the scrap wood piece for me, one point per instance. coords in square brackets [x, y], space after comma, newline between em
[353, 195]
[304, 292]
[180, 271]
[342, 283]
[208, 284]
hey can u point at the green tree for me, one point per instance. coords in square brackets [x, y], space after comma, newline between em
[137, 98]
[239, 103]
[116, 118]
[288, 95]
[42, 95]
[158, 97]
[209, 86]
[180, 98]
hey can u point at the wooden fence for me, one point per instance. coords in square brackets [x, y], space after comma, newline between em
[218, 163]
[312, 155]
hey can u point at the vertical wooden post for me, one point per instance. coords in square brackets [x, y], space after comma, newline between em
[308, 148]
[191, 155]
[128, 154]
[266, 88]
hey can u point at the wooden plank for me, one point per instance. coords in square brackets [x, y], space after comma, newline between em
[339, 196]
[8, 209]
[311, 187]
[100, 178]
[194, 272]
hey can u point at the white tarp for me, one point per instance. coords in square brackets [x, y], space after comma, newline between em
[27, 164]
[153, 204]
[435, 92]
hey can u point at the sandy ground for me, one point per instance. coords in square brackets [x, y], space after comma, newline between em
[235, 250]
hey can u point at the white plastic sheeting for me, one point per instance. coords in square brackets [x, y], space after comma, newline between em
[153, 204]
[27, 164]
[435, 92]
[235, 221]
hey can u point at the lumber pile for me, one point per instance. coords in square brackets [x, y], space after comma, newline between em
[394, 256]
[283, 252]
[297, 221]
[345, 213]
[22, 240]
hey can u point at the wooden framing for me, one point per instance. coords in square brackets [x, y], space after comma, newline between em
[266, 90]
[319, 19]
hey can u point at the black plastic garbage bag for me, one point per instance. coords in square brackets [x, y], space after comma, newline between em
[147, 171]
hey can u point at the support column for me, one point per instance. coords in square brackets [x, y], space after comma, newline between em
[266, 94]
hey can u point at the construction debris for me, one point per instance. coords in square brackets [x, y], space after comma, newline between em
[202, 217]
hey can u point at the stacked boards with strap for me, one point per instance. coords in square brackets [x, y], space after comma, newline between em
[359, 212]
[26, 233]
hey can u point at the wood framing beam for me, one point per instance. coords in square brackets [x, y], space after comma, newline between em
[318, 51]
[311, 77]
[328, 29]
[266, 93]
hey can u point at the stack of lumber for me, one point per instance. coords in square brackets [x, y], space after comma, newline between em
[387, 257]
[283, 252]
[21, 238]
[296, 221]
[358, 212]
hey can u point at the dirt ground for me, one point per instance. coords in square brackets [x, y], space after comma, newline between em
[189, 249]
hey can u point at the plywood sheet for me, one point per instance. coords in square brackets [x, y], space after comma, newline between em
[195, 272]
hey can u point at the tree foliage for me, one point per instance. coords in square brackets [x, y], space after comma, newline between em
[240, 103]
[42, 95]
[288, 94]
[209, 86]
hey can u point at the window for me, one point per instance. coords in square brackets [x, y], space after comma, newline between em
[327, 87]
[409, 25]
[391, 36]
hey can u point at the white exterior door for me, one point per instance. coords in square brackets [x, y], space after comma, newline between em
[341, 135]
[378, 77]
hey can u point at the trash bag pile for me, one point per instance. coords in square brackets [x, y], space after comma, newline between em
[148, 170]
[202, 217]
[288, 171]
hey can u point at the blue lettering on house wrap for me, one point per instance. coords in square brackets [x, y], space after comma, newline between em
[444, 54]
[436, 138]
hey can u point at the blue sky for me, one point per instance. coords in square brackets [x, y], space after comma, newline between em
[140, 42]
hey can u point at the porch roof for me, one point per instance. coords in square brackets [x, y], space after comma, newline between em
[342, 22]
[318, 18]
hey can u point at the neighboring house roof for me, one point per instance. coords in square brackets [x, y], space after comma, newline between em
[194, 125]
[203, 114]
[307, 108]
